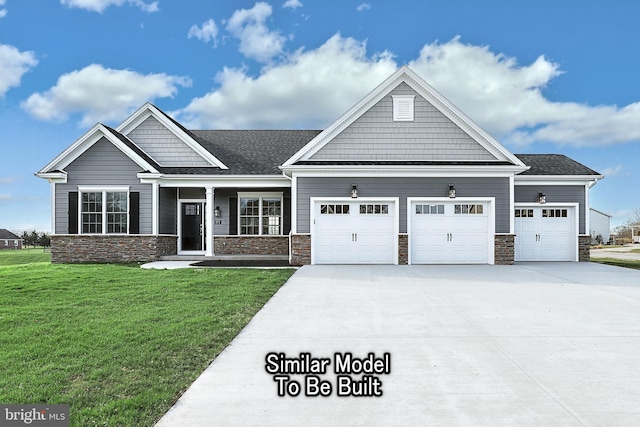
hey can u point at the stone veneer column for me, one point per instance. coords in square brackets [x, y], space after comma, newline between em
[584, 248]
[504, 249]
[300, 249]
[403, 249]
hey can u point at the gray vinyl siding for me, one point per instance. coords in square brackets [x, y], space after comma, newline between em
[554, 194]
[430, 137]
[168, 223]
[403, 188]
[102, 165]
[163, 146]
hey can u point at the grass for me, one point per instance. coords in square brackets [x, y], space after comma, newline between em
[618, 262]
[118, 343]
[24, 256]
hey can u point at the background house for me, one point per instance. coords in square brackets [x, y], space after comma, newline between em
[8, 240]
[600, 225]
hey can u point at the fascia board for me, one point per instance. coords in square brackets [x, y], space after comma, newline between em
[149, 110]
[557, 179]
[400, 171]
[217, 181]
[57, 177]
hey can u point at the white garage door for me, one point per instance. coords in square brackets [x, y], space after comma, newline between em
[349, 232]
[450, 232]
[545, 233]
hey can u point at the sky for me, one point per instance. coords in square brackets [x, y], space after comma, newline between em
[545, 76]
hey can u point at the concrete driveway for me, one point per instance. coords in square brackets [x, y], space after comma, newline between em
[532, 344]
[624, 252]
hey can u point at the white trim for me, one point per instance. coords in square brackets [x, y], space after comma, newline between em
[294, 205]
[408, 76]
[496, 171]
[575, 206]
[491, 219]
[53, 206]
[218, 181]
[260, 196]
[103, 189]
[150, 110]
[556, 179]
[155, 208]
[396, 219]
[60, 177]
[512, 200]
[587, 216]
[208, 223]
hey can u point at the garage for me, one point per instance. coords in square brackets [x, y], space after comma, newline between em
[546, 233]
[444, 231]
[363, 231]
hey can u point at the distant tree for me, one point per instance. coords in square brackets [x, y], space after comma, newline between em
[44, 240]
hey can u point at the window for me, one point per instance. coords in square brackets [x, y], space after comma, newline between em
[554, 213]
[429, 209]
[260, 214]
[468, 209]
[334, 209]
[374, 209]
[524, 213]
[104, 212]
[403, 108]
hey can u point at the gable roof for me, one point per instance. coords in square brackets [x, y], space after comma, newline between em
[415, 82]
[92, 136]
[554, 164]
[184, 135]
[7, 235]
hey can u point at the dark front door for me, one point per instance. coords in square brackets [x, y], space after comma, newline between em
[192, 226]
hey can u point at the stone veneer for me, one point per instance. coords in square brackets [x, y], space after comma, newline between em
[403, 249]
[251, 245]
[85, 248]
[584, 248]
[300, 249]
[504, 249]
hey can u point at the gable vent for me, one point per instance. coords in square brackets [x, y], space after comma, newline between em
[403, 108]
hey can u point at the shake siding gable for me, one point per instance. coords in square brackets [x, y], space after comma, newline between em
[431, 136]
[163, 146]
[102, 165]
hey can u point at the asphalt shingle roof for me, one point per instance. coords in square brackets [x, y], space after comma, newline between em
[6, 234]
[553, 164]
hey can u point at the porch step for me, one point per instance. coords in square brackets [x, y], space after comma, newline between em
[225, 258]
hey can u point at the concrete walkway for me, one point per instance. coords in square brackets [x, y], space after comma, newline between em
[548, 344]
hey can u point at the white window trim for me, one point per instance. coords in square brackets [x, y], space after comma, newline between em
[261, 196]
[403, 99]
[103, 189]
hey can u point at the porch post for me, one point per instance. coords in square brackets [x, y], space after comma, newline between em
[208, 222]
[155, 211]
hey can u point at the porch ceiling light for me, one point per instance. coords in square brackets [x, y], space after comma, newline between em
[542, 198]
[452, 191]
[216, 212]
[354, 191]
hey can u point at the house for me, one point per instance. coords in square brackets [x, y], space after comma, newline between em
[600, 225]
[402, 177]
[635, 232]
[8, 240]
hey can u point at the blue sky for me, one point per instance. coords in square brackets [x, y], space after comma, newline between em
[542, 77]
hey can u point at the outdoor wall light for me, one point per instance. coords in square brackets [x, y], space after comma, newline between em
[354, 191]
[216, 212]
[452, 191]
[542, 199]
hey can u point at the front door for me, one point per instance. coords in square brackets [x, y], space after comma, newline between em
[192, 227]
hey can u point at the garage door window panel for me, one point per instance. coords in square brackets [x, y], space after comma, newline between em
[374, 209]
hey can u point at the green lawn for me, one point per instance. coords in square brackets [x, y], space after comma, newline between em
[24, 256]
[118, 343]
[618, 262]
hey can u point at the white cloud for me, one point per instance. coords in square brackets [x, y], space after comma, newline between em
[100, 5]
[13, 65]
[292, 4]
[207, 32]
[256, 41]
[612, 171]
[100, 94]
[363, 7]
[309, 90]
[507, 98]
[3, 12]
